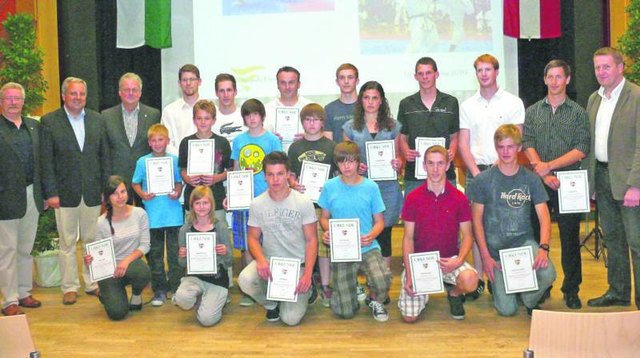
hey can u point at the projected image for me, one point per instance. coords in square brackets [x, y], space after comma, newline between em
[254, 7]
[419, 26]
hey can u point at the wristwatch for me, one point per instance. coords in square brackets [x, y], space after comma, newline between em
[545, 247]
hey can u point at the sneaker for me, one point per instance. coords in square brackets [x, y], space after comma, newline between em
[326, 297]
[456, 306]
[159, 299]
[474, 295]
[273, 315]
[362, 294]
[386, 301]
[313, 294]
[378, 311]
[246, 301]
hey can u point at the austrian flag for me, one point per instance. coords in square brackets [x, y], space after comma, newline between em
[532, 19]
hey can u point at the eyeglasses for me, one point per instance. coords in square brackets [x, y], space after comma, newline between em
[188, 80]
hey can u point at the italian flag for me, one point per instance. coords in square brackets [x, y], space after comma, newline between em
[532, 19]
[144, 22]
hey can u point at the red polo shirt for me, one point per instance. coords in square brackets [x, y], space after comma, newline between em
[437, 218]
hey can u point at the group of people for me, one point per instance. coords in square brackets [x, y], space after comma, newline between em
[74, 160]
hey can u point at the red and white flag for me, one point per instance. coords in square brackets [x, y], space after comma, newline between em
[532, 19]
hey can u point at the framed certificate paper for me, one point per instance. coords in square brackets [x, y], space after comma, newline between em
[239, 189]
[104, 259]
[201, 253]
[345, 240]
[573, 194]
[426, 275]
[517, 270]
[201, 157]
[422, 144]
[285, 274]
[287, 122]
[379, 157]
[313, 176]
[159, 175]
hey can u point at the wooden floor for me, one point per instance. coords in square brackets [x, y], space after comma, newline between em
[84, 329]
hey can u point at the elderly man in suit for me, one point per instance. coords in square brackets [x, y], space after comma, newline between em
[126, 126]
[614, 112]
[74, 167]
[20, 199]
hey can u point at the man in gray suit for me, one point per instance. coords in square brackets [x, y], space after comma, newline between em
[126, 126]
[74, 168]
[614, 112]
[20, 199]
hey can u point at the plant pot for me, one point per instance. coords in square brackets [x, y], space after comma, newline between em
[47, 269]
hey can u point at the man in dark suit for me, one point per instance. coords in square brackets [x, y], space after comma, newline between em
[126, 126]
[20, 200]
[74, 168]
[614, 112]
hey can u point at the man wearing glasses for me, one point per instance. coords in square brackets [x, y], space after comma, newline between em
[177, 116]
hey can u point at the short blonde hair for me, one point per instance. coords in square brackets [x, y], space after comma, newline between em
[157, 129]
[69, 80]
[12, 85]
[507, 131]
[436, 149]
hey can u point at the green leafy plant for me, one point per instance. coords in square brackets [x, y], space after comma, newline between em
[47, 234]
[629, 42]
[22, 60]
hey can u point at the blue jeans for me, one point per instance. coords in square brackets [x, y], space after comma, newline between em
[621, 229]
[160, 281]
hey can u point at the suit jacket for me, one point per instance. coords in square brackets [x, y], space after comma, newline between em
[122, 156]
[623, 146]
[13, 181]
[68, 172]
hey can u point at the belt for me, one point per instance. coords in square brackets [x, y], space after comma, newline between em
[603, 164]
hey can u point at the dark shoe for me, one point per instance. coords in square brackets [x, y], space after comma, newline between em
[456, 307]
[12, 310]
[69, 298]
[135, 306]
[546, 295]
[607, 300]
[368, 300]
[314, 294]
[474, 295]
[29, 302]
[572, 301]
[273, 315]
[95, 292]
[530, 310]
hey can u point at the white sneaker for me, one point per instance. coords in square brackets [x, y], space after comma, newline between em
[159, 299]
[246, 301]
[362, 294]
[378, 311]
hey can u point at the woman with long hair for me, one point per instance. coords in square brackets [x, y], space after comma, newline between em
[372, 121]
[128, 227]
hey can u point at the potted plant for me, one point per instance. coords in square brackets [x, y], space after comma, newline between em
[45, 251]
[21, 60]
[629, 42]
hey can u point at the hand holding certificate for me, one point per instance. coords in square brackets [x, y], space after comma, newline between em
[313, 176]
[379, 157]
[517, 270]
[285, 274]
[426, 275]
[103, 262]
[201, 157]
[201, 253]
[239, 189]
[287, 123]
[573, 194]
[345, 240]
[422, 144]
[159, 175]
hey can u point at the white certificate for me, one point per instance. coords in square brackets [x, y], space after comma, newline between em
[422, 144]
[201, 157]
[345, 240]
[103, 264]
[379, 157]
[573, 194]
[517, 270]
[285, 275]
[287, 123]
[201, 253]
[426, 274]
[159, 175]
[313, 176]
[239, 189]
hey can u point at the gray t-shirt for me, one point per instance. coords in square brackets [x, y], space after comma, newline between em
[281, 223]
[338, 113]
[507, 204]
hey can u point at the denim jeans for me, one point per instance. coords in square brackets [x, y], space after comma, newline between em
[113, 294]
[160, 281]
